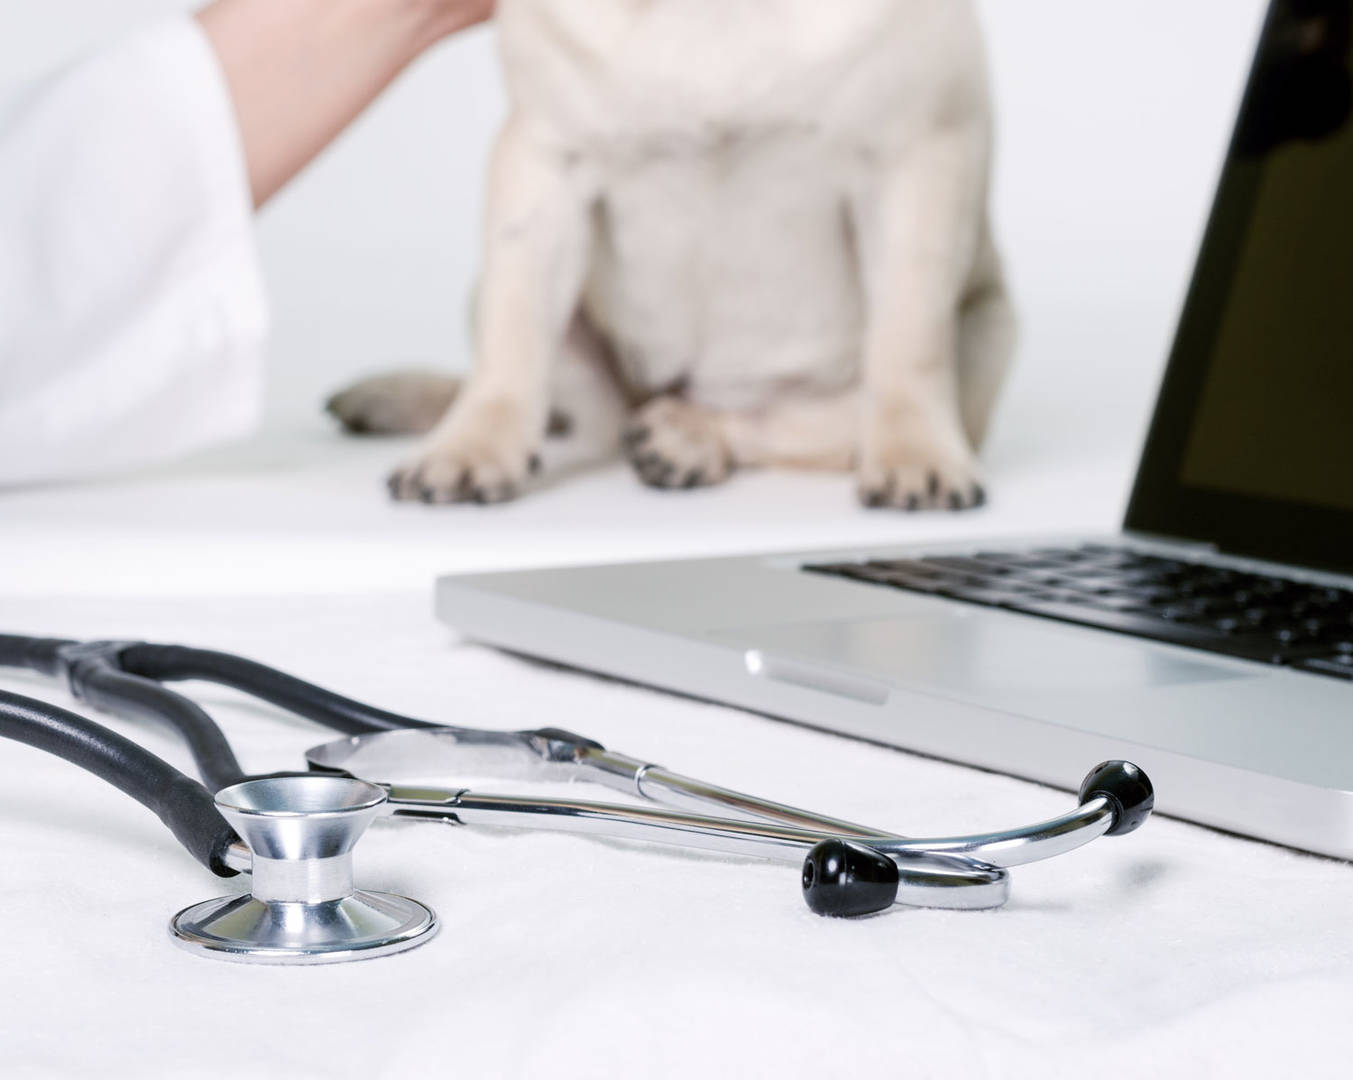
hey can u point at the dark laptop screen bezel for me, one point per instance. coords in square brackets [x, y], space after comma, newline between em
[1272, 529]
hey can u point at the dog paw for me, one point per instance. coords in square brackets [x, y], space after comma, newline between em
[401, 403]
[674, 444]
[921, 482]
[482, 458]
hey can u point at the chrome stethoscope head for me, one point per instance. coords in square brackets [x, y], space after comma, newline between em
[297, 834]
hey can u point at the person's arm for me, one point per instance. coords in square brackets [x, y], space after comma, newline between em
[133, 322]
[300, 71]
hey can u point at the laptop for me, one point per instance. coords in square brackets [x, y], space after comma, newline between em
[1211, 641]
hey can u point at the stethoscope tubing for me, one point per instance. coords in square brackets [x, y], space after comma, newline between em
[175, 663]
[183, 804]
[124, 679]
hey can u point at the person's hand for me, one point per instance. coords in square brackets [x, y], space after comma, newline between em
[300, 71]
[452, 16]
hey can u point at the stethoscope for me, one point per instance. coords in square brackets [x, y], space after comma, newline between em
[294, 832]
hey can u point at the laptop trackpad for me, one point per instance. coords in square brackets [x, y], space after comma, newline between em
[972, 650]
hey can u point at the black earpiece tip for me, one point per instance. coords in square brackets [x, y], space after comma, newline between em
[842, 878]
[1127, 788]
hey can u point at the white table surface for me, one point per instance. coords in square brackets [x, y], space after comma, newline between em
[1175, 951]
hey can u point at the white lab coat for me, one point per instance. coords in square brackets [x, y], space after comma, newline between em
[132, 316]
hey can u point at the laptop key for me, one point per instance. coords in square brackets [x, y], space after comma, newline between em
[961, 588]
[1117, 602]
[930, 586]
[962, 565]
[1094, 585]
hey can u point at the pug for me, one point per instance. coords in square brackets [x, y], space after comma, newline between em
[726, 234]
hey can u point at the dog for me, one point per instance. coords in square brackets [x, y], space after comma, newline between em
[726, 234]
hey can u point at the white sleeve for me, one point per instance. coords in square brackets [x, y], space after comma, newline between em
[132, 317]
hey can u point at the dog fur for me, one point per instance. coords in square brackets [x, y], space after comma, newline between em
[728, 233]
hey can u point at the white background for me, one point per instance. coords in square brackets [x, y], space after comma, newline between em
[1113, 119]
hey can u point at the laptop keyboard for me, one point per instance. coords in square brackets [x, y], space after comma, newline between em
[1253, 616]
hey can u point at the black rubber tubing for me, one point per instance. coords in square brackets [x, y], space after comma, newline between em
[35, 654]
[177, 662]
[93, 677]
[135, 698]
[184, 805]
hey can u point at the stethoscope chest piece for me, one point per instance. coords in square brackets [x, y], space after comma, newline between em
[303, 908]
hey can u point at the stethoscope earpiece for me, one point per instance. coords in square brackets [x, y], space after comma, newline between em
[844, 879]
[1126, 787]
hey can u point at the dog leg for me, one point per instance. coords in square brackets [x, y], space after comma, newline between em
[797, 432]
[917, 226]
[675, 443]
[987, 330]
[588, 405]
[398, 403]
[537, 239]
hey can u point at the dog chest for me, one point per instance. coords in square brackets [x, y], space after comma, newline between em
[619, 77]
[738, 265]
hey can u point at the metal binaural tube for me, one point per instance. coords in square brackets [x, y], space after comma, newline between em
[1013, 847]
[925, 879]
[576, 757]
[1016, 847]
[654, 824]
[672, 789]
[1116, 796]
[760, 839]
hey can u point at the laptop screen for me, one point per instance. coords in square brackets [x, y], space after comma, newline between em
[1251, 447]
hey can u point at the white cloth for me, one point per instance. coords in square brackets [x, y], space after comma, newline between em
[1178, 951]
[132, 318]
[1173, 952]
